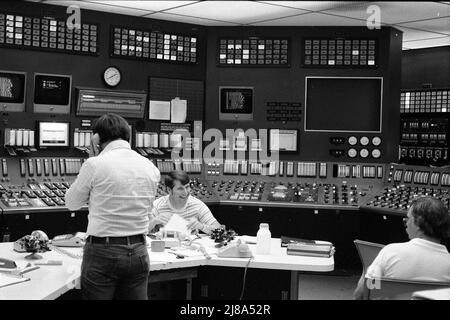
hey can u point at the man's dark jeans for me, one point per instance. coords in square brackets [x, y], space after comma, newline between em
[111, 271]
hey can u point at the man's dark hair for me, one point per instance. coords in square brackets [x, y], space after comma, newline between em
[179, 175]
[432, 217]
[111, 127]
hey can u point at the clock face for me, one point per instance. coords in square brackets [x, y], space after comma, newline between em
[112, 76]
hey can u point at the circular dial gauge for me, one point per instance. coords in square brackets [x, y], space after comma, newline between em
[112, 76]
[352, 153]
[364, 153]
[364, 141]
[376, 141]
[376, 153]
[352, 140]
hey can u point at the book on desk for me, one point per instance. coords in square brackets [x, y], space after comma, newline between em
[306, 247]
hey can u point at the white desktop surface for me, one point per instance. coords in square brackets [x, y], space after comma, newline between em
[436, 294]
[49, 282]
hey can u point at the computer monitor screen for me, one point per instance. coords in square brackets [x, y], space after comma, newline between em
[283, 140]
[52, 93]
[347, 104]
[12, 91]
[236, 103]
[53, 134]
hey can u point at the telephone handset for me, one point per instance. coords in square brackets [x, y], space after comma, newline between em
[95, 148]
[77, 239]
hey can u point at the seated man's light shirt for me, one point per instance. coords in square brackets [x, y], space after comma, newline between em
[417, 259]
[194, 209]
[119, 185]
[177, 223]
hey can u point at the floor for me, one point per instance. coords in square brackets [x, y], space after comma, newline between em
[335, 286]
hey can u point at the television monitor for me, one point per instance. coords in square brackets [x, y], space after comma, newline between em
[53, 134]
[12, 91]
[236, 103]
[283, 140]
[52, 93]
[343, 104]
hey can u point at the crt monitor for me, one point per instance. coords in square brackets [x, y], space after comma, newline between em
[343, 104]
[12, 91]
[53, 134]
[52, 93]
[283, 140]
[236, 103]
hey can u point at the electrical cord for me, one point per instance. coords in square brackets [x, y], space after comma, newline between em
[3, 227]
[243, 280]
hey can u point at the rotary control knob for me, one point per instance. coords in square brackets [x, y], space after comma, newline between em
[376, 141]
[364, 153]
[364, 141]
[352, 140]
[352, 153]
[376, 153]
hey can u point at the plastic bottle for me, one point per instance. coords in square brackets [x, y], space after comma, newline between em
[263, 239]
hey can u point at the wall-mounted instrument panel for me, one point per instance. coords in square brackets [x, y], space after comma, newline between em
[424, 126]
[47, 34]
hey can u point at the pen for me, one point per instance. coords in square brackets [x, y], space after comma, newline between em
[179, 256]
[29, 269]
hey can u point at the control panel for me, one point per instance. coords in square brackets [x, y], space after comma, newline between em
[36, 183]
[292, 183]
[406, 183]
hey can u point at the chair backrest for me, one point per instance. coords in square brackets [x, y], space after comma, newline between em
[367, 252]
[399, 289]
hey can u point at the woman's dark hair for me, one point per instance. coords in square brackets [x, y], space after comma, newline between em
[111, 127]
[432, 217]
[179, 175]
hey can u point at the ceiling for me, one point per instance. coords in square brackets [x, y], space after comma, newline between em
[424, 24]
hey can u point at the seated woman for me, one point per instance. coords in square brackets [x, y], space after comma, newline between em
[423, 258]
[179, 203]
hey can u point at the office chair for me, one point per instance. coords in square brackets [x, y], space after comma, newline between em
[397, 289]
[367, 252]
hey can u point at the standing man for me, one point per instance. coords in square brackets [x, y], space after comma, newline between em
[120, 186]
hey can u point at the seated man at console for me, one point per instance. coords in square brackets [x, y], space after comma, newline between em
[179, 202]
[423, 258]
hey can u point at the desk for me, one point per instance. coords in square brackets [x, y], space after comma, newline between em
[49, 282]
[436, 294]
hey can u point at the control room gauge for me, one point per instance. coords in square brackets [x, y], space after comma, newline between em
[364, 141]
[364, 153]
[112, 76]
[352, 153]
[376, 153]
[352, 140]
[376, 141]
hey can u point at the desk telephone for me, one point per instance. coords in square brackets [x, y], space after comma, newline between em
[236, 249]
[77, 239]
